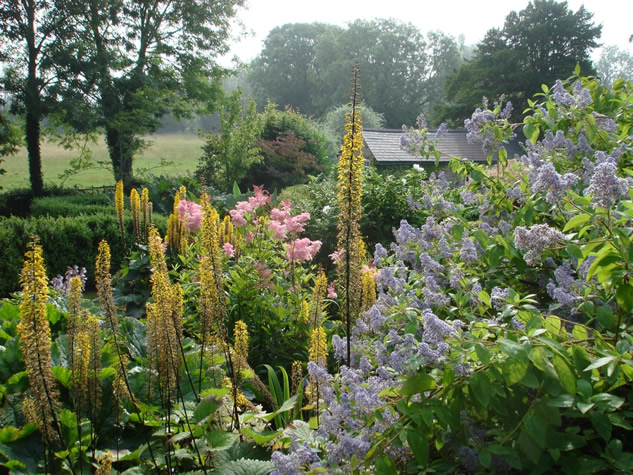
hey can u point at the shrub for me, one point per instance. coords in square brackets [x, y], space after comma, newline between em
[73, 205]
[66, 241]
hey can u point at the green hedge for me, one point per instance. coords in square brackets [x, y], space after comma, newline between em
[76, 205]
[66, 241]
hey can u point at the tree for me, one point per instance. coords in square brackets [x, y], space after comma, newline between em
[537, 45]
[613, 64]
[136, 61]
[30, 32]
[292, 149]
[305, 66]
[285, 72]
[229, 154]
[333, 124]
[9, 136]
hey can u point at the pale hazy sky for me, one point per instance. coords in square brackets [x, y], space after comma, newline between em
[454, 17]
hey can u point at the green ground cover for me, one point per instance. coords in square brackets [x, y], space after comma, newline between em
[182, 150]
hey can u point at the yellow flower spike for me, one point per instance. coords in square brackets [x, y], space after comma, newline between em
[296, 376]
[135, 206]
[349, 192]
[146, 211]
[104, 287]
[118, 207]
[304, 313]
[241, 341]
[369, 291]
[35, 343]
[318, 296]
[317, 351]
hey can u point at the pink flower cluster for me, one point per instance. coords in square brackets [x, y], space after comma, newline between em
[243, 207]
[190, 214]
[283, 224]
[301, 250]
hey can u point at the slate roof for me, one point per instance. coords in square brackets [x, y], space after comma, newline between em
[384, 146]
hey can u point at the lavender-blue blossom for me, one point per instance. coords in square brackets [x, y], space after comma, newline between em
[535, 239]
[606, 187]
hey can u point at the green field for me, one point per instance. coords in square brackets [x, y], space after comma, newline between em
[182, 150]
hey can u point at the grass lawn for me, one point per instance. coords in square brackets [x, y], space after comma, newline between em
[183, 150]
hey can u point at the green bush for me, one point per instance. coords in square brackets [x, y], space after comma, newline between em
[74, 205]
[66, 241]
[17, 202]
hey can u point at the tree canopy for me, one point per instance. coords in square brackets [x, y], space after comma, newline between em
[306, 65]
[537, 45]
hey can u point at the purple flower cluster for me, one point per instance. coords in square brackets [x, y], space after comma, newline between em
[581, 95]
[62, 283]
[468, 251]
[606, 187]
[566, 289]
[548, 180]
[498, 297]
[535, 239]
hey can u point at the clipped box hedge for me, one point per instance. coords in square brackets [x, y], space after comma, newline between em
[75, 205]
[65, 241]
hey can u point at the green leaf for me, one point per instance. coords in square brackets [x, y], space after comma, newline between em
[624, 296]
[416, 384]
[419, 446]
[205, 408]
[565, 374]
[599, 363]
[576, 221]
[236, 190]
[480, 387]
[513, 370]
[262, 437]
[601, 424]
[482, 353]
[63, 375]
[220, 440]
[385, 466]
[537, 429]
[246, 467]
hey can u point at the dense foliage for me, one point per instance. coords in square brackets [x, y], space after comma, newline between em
[305, 66]
[493, 335]
[537, 45]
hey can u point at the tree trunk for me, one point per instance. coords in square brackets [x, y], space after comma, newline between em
[34, 152]
[121, 150]
[33, 108]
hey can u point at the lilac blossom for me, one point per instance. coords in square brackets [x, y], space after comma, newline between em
[548, 180]
[441, 131]
[498, 297]
[605, 187]
[535, 239]
[62, 283]
[468, 252]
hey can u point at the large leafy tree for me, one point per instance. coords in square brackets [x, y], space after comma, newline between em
[285, 72]
[537, 45]
[135, 61]
[614, 63]
[30, 33]
[306, 66]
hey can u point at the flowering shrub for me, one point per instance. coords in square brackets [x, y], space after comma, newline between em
[501, 337]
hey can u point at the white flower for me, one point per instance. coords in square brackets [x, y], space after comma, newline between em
[326, 209]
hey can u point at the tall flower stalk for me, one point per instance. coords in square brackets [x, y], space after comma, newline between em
[349, 192]
[118, 207]
[42, 406]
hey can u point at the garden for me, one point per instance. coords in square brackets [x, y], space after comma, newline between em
[477, 321]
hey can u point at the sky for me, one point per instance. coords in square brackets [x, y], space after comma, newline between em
[454, 17]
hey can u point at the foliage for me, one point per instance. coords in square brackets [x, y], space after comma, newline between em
[71, 205]
[333, 125]
[613, 64]
[501, 338]
[514, 61]
[291, 147]
[402, 68]
[31, 33]
[229, 155]
[286, 70]
[9, 137]
[65, 241]
[128, 64]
